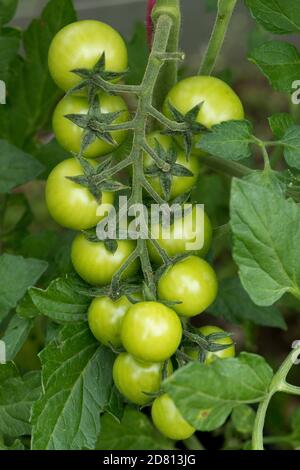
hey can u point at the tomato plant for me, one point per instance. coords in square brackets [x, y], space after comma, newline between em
[138, 190]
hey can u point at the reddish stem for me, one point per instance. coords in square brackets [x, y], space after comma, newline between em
[150, 6]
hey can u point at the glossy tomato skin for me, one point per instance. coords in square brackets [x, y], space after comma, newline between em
[185, 230]
[169, 420]
[151, 331]
[220, 102]
[135, 378]
[69, 135]
[70, 204]
[96, 265]
[180, 184]
[191, 281]
[80, 45]
[105, 318]
[212, 356]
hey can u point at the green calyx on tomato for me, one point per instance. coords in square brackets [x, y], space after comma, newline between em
[184, 234]
[80, 45]
[136, 380]
[70, 204]
[151, 331]
[192, 282]
[175, 182]
[97, 265]
[105, 318]
[210, 356]
[168, 419]
[70, 135]
[218, 102]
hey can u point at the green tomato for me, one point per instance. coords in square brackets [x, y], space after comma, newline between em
[96, 265]
[193, 352]
[219, 102]
[180, 184]
[70, 204]
[69, 135]
[105, 318]
[185, 230]
[191, 281]
[151, 331]
[135, 379]
[169, 420]
[80, 45]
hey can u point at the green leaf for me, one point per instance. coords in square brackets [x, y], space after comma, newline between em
[276, 16]
[206, 394]
[7, 10]
[77, 383]
[9, 46]
[15, 335]
[243, 417]
[16, 167]
[280, 123]
[235, 306]
[60, 301]
[279, 62]
[31, 90]
[16, 445]
[17, 274]
[138, 52]
[115, 406]
[229, 140]
[266, 235]
[291, 142]
[17, 395]
[135, 432]
[50, 155]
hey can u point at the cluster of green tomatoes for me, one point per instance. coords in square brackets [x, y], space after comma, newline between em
[149, 333]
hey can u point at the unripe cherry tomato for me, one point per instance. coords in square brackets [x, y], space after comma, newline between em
[96, 264]
[219, 102]
[135, 378]
[191, 281]
[105, 318]
[180, 184]
[185, 230]
[193, 352]
[151, 331]
[169, 420]
[69, 135]
[70, 204]
[80, 45]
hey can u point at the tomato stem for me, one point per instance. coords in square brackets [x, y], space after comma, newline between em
[193, 443]
[278, 384]
[225, 11]
[169, 73]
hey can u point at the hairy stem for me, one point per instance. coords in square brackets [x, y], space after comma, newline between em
[226, 166]
[168, 74]
[225, 10]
